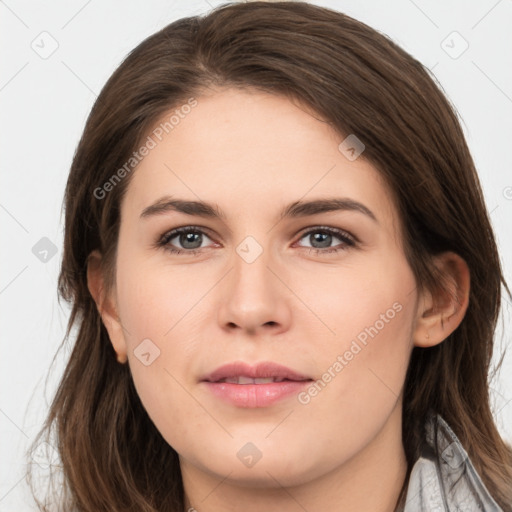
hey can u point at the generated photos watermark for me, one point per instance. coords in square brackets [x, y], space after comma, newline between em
[150, 143]
[356, 346]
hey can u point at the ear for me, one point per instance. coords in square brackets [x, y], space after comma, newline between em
[106, 305]
[441, 312]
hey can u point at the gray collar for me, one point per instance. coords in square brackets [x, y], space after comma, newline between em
[443, 478]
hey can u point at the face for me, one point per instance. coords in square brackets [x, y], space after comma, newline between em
[325, 292]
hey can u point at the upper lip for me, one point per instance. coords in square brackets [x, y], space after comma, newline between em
[260, 370]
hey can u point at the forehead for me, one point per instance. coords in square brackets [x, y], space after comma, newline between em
[251, 153]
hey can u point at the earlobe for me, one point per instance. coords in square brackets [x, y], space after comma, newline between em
[106, 305]
[441, 311]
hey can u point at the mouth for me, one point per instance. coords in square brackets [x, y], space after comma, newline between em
[239, 372]
[242, 385]
[244, 380]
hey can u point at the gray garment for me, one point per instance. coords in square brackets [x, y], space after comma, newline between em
[443, 478]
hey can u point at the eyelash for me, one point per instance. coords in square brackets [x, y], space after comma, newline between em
[347, 239]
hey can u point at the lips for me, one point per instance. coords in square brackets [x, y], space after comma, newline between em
[242, 385]
[263, 373]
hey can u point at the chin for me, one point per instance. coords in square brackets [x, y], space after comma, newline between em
[271, 471]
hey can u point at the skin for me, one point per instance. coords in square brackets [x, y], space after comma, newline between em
[252, 154]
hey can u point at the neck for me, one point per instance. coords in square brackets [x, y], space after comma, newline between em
[371, 480]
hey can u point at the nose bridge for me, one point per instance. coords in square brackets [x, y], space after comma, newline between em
[254, 297]
[251, 276]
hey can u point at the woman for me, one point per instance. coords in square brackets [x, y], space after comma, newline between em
[283, 276]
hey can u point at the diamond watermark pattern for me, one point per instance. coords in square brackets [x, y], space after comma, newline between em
[453, 456]
[44, 250]
[454, 45]
[45, 45]
[45, 455]
[351, 148]
[249, 454]
[249, 249]
[146, 352]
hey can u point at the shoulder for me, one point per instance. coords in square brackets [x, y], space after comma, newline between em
[444, 478]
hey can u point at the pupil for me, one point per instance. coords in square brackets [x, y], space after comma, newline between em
[187, 238]
[323, 238]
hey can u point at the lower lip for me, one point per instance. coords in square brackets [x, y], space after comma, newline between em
[256, 395]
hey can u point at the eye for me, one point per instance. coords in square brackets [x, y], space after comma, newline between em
[190, 238]
[322, 237]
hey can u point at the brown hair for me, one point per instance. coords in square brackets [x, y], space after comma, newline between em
[358, 80]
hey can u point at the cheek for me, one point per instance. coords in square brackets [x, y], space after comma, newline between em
[368, 301]
[361, 368]
[362, 365]
[159, 300]
[159, 306]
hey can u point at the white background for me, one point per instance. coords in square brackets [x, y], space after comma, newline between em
[44, 104]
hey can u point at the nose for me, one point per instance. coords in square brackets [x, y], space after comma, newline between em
[254, 297]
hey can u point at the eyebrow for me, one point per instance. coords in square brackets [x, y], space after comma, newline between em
[293, 210]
